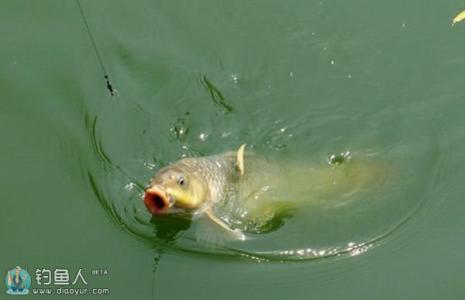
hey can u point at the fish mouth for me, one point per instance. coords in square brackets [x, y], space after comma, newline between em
[156, 200]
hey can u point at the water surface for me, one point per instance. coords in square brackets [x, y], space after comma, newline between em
[295, 80]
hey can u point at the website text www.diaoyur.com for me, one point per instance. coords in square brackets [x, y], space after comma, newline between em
[70, 291]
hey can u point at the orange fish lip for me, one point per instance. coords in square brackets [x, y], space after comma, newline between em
[156, 200]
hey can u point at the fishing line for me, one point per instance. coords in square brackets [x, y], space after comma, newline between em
[156, 260]
[97, 53]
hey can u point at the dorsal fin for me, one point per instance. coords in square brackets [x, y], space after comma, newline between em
[240, 159]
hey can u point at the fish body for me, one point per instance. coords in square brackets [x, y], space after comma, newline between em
[242, 191]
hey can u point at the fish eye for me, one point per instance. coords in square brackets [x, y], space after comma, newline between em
[181, 180]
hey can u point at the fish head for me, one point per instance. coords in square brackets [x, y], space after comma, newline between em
[177, 188]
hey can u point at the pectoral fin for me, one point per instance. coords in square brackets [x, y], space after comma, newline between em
[237, 234]
[240, 159]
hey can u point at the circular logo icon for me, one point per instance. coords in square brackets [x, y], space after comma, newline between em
[17, 281]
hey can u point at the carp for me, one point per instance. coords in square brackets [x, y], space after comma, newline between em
[242, 192]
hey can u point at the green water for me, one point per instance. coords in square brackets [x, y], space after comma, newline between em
[295, 80]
